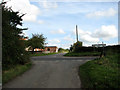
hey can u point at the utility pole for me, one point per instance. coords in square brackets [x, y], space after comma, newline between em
[102, 50]
[76, 33]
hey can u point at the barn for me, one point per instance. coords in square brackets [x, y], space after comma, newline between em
[48, 49]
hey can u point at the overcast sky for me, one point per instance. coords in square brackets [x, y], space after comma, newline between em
[97, 21]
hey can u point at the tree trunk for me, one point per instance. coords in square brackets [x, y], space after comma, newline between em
[33, 51]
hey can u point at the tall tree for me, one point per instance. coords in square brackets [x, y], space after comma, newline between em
[37, 41]
[12, 46]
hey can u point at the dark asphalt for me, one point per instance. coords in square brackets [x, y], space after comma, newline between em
[59, 57]
[53, 71]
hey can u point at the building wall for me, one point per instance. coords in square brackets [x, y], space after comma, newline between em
[37, 49]
[51, 49]
[47, 49]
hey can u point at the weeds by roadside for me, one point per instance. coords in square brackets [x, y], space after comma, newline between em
[101, 73]
[7, 75]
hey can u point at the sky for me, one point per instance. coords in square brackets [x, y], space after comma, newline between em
[97, 21]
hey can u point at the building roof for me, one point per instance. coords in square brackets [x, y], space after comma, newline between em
[24, 38]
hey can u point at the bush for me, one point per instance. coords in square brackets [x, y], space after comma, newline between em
[77, 46]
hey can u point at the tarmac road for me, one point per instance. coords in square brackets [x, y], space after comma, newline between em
[53, 71]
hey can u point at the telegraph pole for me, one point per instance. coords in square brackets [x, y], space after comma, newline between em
[76, 33]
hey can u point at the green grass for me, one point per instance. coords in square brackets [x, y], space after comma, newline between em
[13, 72]
[101, 73]
[83, 54]
[42, 54]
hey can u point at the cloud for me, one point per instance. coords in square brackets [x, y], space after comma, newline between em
[60, 31]
[59, 42]
[106, 32]
[66, 45]
[24, 7]
[89, 38]
[110, 44]
[68, 38]
[86, 36]
[107, 13]
[52, 44]
[59, 45]
[54, 41]
[40, 21]
[75, 0]
[47, 5]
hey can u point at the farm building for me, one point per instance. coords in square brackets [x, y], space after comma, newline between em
[48, 49]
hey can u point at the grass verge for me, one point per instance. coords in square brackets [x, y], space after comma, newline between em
[83, 54]
[13, 72]
[101, 73]
[42, 54]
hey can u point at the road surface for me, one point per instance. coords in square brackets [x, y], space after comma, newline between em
[53, 71]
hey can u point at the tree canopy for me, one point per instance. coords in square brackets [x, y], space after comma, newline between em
[37, 41]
